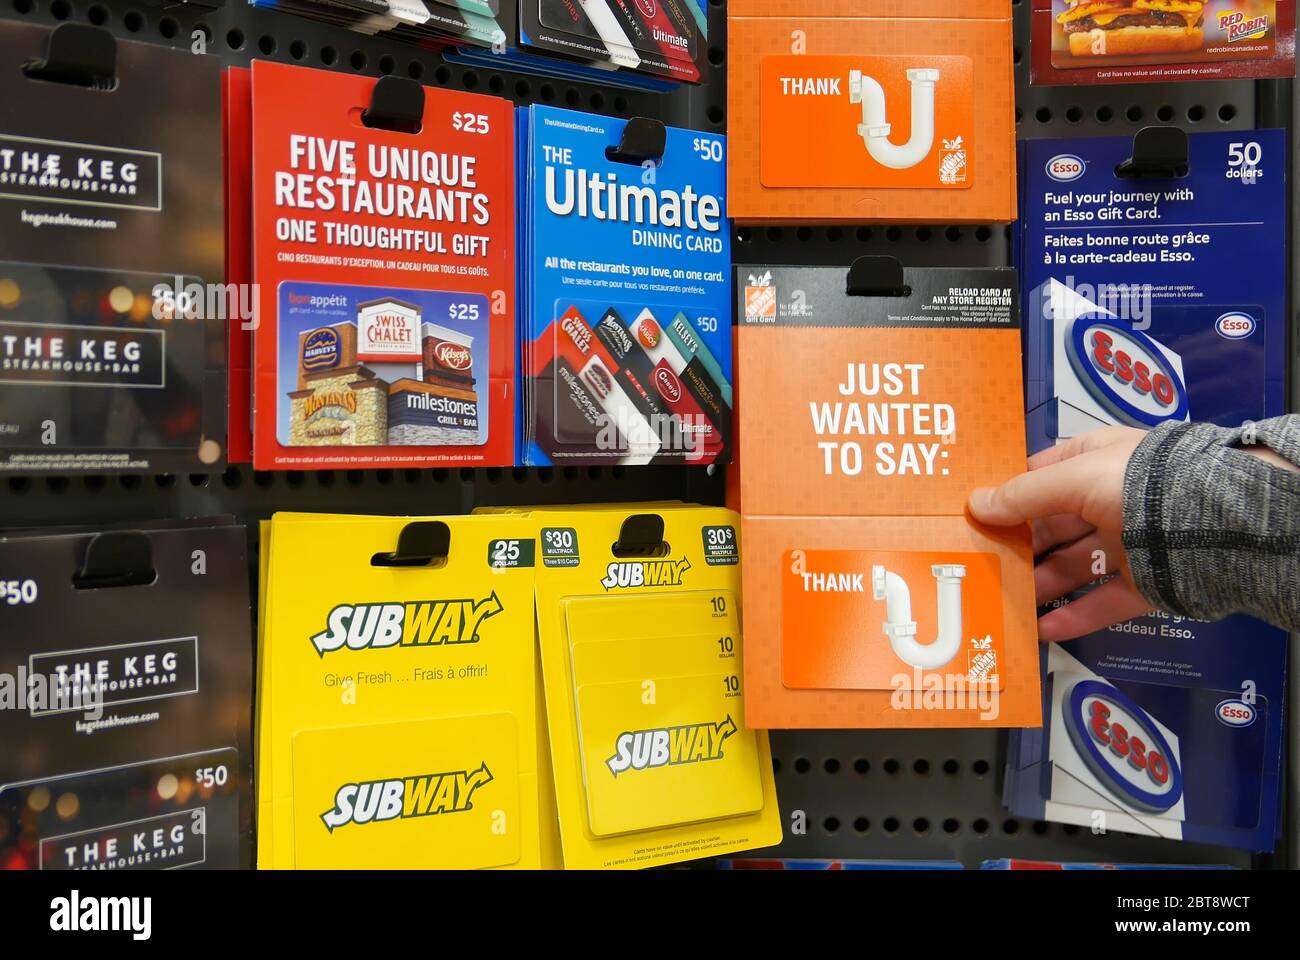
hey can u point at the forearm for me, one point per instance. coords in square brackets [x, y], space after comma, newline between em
[1210, 529]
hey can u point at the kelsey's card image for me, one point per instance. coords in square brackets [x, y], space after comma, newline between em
[368, 366]
[1126, 41]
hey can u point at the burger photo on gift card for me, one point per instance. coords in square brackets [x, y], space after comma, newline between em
[1129, 28]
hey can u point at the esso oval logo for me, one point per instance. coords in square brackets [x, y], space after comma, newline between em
[1235, 713]
[1235, 326]
[668, 384]
[1123, 746]
[1065, 167]
[1126, 372]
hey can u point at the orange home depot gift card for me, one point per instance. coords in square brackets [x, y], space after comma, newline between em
[871, 110]
[871, 600]
[888, 619]
[927, 141]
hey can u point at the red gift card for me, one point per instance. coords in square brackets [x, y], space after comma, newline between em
[384, 264]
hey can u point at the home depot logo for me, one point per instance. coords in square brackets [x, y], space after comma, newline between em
[421, 623]
[645, 573]
[427, 795]
[670, 746]
[760, 297]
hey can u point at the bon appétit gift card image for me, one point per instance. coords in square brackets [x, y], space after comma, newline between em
[866, 583]
[424, 345]
[384, 262]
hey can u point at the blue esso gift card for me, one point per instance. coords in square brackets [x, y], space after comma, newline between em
[1149, 300]
[624, 291]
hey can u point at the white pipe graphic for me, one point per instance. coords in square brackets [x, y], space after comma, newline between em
[874, 129]
[901, 628]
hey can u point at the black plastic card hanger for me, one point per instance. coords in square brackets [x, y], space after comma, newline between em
[396, 104]
[1158, 153]
[118, 558]
[422, 543]
[77, 54]
[876, 276]
[641, 535]
[643, 139]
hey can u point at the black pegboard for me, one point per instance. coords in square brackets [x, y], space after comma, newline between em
[876, 794]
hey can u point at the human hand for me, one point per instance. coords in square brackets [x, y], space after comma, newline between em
[1073, 499]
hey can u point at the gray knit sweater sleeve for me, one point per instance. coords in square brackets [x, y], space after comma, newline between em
[1211, 530]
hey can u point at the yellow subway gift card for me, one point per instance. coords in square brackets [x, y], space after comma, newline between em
[398, 694]
[638, 619]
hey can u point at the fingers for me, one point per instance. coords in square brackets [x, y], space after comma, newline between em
[1076, 445]
[1113, 602]
[1056, 488]
[1061, 528]
[1075, 566]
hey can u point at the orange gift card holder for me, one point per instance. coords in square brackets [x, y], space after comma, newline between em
[871, 110]
[871, 599]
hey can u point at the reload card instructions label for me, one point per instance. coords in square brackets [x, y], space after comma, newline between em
[385, 263]
[627, 278]
[130, 744]
[112, 310]
[871, 599]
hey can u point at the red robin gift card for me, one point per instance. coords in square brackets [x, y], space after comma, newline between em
[384, 262]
